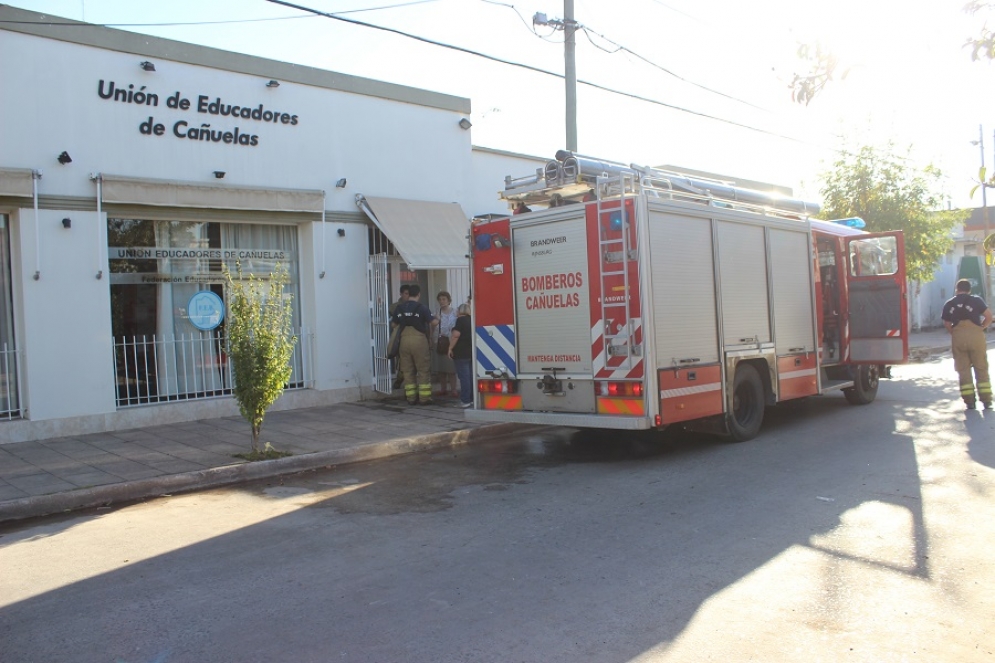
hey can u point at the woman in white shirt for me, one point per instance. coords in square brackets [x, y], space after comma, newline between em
[447, 320]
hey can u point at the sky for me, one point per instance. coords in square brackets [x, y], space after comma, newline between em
[714, 74]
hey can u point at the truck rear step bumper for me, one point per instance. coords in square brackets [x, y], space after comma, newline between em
[562, 419]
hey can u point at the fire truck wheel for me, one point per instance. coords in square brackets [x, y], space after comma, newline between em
[747, 404]
[865, 386]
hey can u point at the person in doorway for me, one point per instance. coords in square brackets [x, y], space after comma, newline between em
[416, 322]
[405, 293]
[404, 290]
[966, 317]
[447, 318]
[461, 352]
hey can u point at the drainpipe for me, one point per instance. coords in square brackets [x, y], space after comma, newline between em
[35, 176]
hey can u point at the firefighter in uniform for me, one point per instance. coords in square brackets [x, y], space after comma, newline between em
[416, 363]
[399, 379]
[966, 317]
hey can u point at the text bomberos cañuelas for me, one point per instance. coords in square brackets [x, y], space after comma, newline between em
[542, 284]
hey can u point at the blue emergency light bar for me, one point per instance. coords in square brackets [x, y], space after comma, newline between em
[852, 222]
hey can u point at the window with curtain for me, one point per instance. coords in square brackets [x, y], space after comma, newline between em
[157, 267]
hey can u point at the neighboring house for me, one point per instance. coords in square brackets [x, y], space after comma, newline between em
[925, 305]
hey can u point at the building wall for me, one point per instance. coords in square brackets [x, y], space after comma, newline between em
[380, 145]
[386, 140]
[62, 318]
[489, 167]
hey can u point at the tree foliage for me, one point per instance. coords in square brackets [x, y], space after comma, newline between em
[889, 195]
[821, 67]
[261, 344]
[982, 45]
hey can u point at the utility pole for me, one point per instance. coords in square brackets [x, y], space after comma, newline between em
[570, 71]
[984, 189]
[569, 27]
[984, 212]
[989, 257]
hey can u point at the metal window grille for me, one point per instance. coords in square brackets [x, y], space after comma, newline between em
[180, 367]
[10, 401]
[378, 243]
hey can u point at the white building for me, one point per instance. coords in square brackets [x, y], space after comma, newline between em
[132, 168]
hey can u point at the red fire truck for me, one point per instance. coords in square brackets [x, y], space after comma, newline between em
[627, 297]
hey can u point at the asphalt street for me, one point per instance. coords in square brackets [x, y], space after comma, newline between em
[842, 533]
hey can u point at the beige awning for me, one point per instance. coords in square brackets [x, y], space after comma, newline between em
[16, 182]
[427, 235]
[169, 193]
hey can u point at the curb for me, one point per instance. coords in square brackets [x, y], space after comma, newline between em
[129, 491]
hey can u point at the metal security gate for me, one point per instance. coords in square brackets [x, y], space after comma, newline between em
[379, 291]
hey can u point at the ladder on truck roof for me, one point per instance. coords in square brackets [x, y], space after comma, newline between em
[615, 257]
[570, 177]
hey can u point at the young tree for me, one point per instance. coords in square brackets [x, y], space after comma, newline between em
[888, 194]
[260, 342]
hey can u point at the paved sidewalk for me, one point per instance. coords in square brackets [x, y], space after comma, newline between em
[66, 473]
[62, 474]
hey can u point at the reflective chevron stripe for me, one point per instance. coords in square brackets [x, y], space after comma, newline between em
[496, 349]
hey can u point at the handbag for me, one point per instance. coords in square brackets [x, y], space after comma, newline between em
[442, 345]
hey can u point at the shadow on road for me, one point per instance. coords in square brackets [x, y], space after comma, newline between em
[596, 546]
[980, 427]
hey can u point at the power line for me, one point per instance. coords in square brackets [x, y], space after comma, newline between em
[840, 151]
[528, 26]
[337, 16]
[244, 20]
[583, 82]
[619, 47]
[675, 9]
[535, 69]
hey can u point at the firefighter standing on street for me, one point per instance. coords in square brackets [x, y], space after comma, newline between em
[416, 320]
[966, 317]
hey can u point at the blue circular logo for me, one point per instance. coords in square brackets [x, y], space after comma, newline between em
[205, 310]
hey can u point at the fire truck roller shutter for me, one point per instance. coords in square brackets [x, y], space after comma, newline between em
[794, 327]
[684, 289]
[743, 281]
[791, 273]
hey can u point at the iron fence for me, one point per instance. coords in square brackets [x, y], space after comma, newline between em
[10, 401]
[178, 367]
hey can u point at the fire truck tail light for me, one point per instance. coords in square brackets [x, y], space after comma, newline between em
[620, 389]
[497, 386]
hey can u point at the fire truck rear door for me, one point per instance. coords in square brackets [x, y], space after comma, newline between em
[878, 329]
[552, 307]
